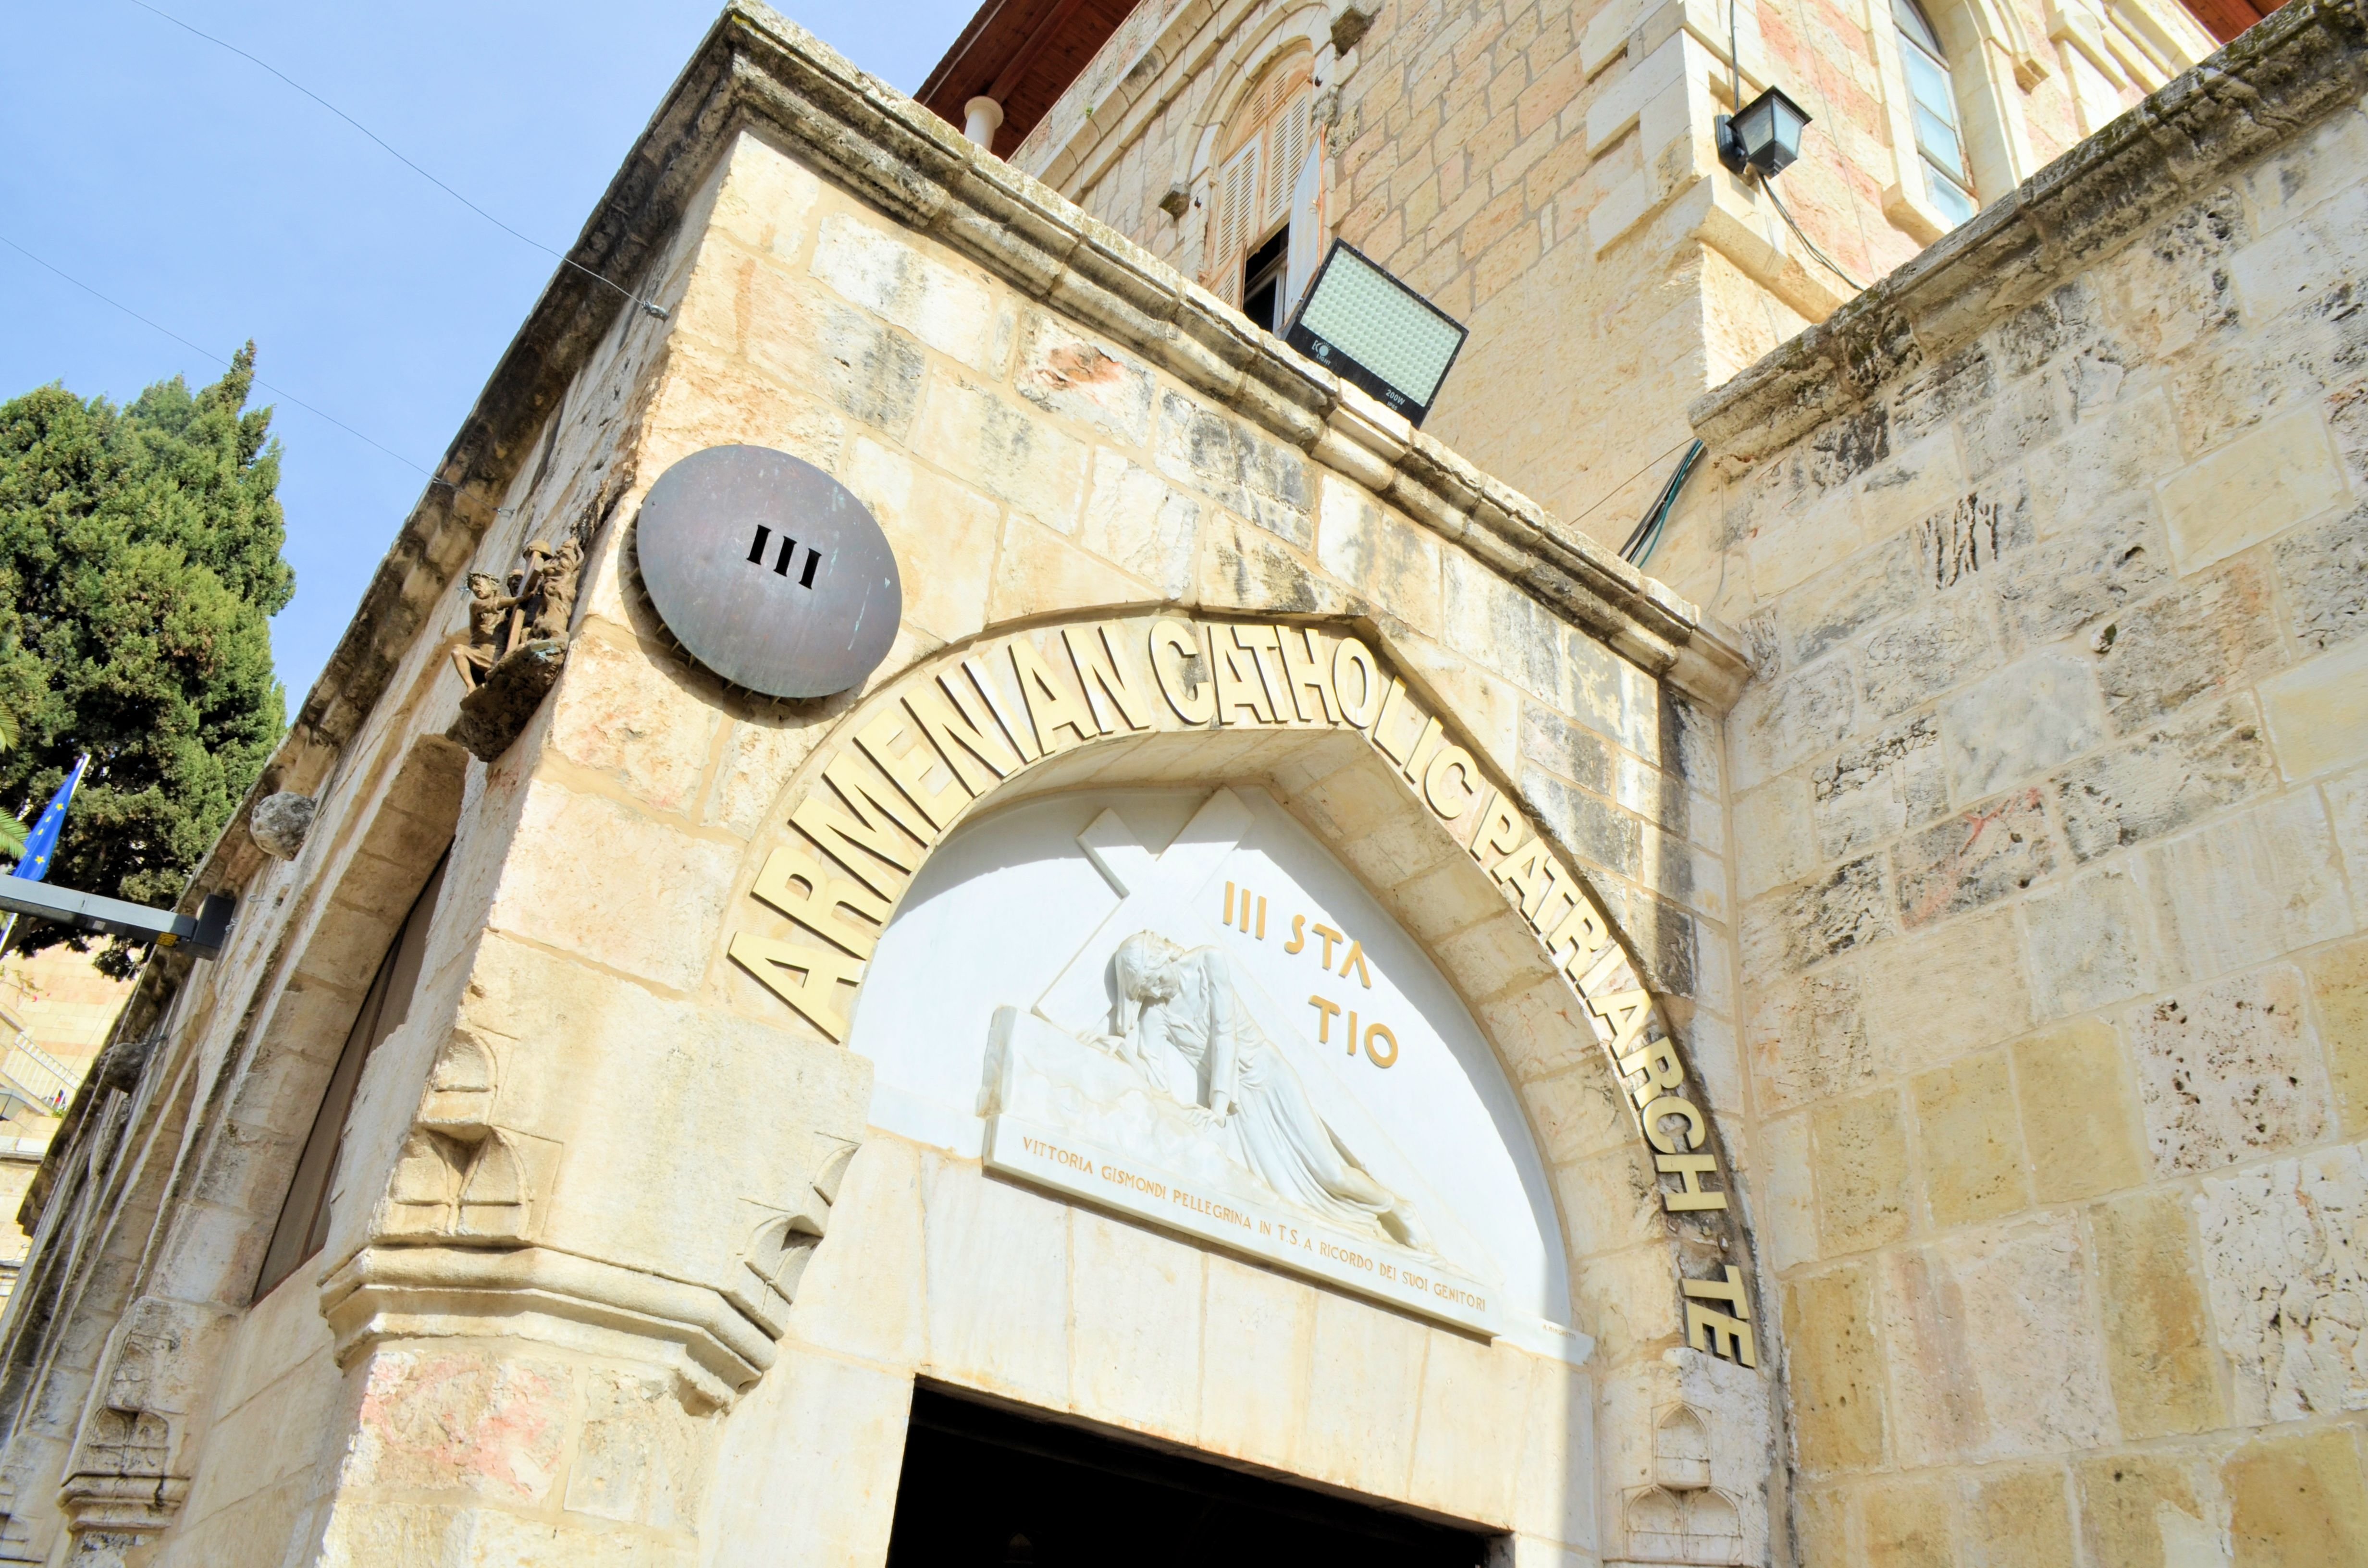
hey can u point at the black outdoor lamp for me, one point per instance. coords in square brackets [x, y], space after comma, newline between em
[1765, 135]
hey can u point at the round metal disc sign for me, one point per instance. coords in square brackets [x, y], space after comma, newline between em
[769, 571]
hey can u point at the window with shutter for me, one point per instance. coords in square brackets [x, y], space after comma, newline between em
[1259, 183]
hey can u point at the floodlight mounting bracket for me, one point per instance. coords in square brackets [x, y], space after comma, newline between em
[201, 935]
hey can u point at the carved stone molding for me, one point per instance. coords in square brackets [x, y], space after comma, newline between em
[381, 1293]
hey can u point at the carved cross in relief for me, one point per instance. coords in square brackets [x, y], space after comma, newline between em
[1158, 892]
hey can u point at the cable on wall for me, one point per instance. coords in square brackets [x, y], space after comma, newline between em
[1786, 213]
[1647, 536]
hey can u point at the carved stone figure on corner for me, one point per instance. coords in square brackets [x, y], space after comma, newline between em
[489, 608]
[517, 644]
[556, 606]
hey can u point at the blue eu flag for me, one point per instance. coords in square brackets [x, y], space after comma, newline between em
[42, 842]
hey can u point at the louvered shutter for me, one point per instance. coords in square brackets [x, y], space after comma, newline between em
[1287, 144]
[1236, 214]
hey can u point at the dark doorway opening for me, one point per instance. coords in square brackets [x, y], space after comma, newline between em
[984, 1486]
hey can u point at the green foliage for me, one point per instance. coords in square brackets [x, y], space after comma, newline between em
[139, 569]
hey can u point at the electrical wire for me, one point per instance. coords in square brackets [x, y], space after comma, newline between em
[1786, 213]
[201, 349]
[1647, 536]
[1651, 463]
[564, 261]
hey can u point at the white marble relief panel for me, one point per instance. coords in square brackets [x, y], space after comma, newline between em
[1179, 1007]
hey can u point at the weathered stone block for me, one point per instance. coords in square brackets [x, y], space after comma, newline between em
[623, 713]
[2082, 577]
[2250, 489]
[1834, 606]
[1011, 454]
[1037, 573]
[870, 370]
[1873, 791]
[2080, 1112]
[2249, 888]
[1972, 1141]
[1991, 1352]
[944, 535]
[2347, 802]
[2014, 725]
[1065, 372]
[2317, 714]
[2091, 943]
[2285, 1271]
[1787, 720]
[1975, 962]
[1908, 1522]
[1847, 909]
[1786, 1206]
[1244, 567]
[2339, 985]
[2145, 1508]
[1836, 1370]
[1926, 652]
[646, 902]
[1379, 554]
[2161, 779]
[957, 311]
[461, 1420]
[1595, 830]
[2204, 636]
[2296, 1501]
[1808, 1040]
[1137, 520]
[2158, 1349]
[2021, 1519]
[1264, 481]
[1862, 1148]
[2226, 1072]
[1971, 534]
[2324, 572]
[640, 1458]
[1775, 837]
[2023, 417]
[1984, 855]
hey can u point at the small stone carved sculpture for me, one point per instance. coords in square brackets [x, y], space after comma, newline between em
[518, 642]
[278, 823]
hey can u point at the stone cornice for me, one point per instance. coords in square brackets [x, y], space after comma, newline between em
[2300, 65]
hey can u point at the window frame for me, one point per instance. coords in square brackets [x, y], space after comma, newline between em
[301, 1229]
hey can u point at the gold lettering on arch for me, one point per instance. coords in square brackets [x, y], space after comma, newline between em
[940, 740]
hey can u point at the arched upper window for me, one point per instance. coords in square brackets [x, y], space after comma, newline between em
[1262, 219]
[1932, 92]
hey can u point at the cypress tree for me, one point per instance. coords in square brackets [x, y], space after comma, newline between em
[140, 567]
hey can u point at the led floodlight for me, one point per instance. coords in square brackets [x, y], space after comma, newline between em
[1367, 327]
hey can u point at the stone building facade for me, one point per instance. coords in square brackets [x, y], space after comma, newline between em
[1864, 1072]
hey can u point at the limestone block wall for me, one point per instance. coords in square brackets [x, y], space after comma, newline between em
[1547, 173]
[2051, 815]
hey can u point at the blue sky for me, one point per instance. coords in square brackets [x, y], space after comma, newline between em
[203, 193]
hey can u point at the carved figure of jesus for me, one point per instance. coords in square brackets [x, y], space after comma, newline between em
[1172, 999]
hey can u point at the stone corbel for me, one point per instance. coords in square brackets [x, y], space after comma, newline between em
[118, 1496]
[124, 1483]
